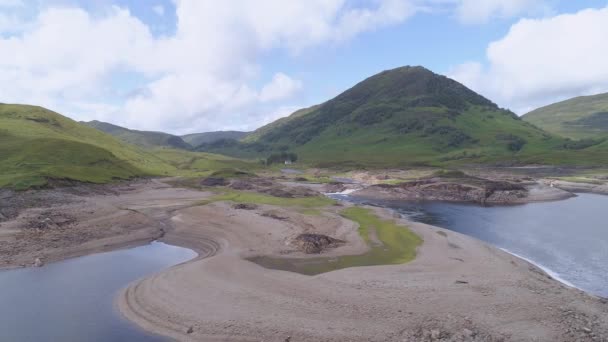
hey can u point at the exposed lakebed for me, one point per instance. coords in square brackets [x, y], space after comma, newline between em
[568, 238]
[73, 300]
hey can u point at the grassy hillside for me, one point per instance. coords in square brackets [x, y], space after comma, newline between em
[197, 139]
[37, 145]
[577, 118]
[145, 139]
[408, 116]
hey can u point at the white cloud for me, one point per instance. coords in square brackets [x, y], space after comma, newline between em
[199, 78]
[281, 86]
[544, 60]
[11, 3]
[159, 9]
[480, 11]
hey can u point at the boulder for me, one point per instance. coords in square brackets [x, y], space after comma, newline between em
[245, 206]
[315, 243]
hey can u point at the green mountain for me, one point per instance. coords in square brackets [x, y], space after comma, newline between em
[197, 139]
[578, 118]
[37, 144]
[145, 139]
[406, 116]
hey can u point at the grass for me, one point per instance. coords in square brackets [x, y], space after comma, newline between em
[393, 120]
[575, 118]
[256, 198]
[37, 144]
[398, 246]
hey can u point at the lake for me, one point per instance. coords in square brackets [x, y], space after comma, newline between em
[73, 300]
[569, 238]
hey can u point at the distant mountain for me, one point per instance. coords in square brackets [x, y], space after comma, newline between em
[197, 139]
[37, 144]
[405, 116]
[145, 139]
[577, 118]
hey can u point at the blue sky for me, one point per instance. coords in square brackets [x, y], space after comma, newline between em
[195, 65]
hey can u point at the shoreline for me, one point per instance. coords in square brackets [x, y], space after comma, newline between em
[220, 296]
[218, 284]
[545, 269]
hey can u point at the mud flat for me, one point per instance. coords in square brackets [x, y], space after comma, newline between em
[39, 227]
[457, 288]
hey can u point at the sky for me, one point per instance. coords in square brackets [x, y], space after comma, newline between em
[185, 66]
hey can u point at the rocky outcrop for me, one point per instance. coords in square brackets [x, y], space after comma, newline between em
[315, 243]
[434, 189]
[214, 181]
[245, 206]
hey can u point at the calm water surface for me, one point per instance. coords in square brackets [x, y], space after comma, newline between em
[73, 300]
[567, 238]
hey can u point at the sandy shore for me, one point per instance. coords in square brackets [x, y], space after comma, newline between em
[457, 289]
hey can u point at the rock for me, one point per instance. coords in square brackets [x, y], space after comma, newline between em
[47, 223]
[245, 206]
[242, 185]
[190, 330]
[275, 215]
[435, 334]
[38, 262]
[587, 330]
[290, 192]
[335, 187]
[214, 181]
[288, 339]
[315, 243]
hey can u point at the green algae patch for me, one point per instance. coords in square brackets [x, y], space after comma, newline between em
[390, 244]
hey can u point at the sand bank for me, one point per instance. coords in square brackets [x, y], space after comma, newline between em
[457, 289]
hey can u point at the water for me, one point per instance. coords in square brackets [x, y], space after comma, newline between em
[567, 238]
[73, 300]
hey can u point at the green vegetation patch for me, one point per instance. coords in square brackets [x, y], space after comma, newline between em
[256, 198]
[390, 244]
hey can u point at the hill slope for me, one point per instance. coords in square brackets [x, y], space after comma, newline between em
[38, 144]
[145, 139]
[405, 116]
[197, 139]
[577, 118]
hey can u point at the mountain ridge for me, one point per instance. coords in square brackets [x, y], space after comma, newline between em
[147, 139]
[581, 117]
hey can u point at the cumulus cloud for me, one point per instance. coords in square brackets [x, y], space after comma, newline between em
[543, 60]
[201, 77]
[480, 11]
[11, 3]
[281, 86]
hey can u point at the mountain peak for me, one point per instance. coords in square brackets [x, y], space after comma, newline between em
[423, 86]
